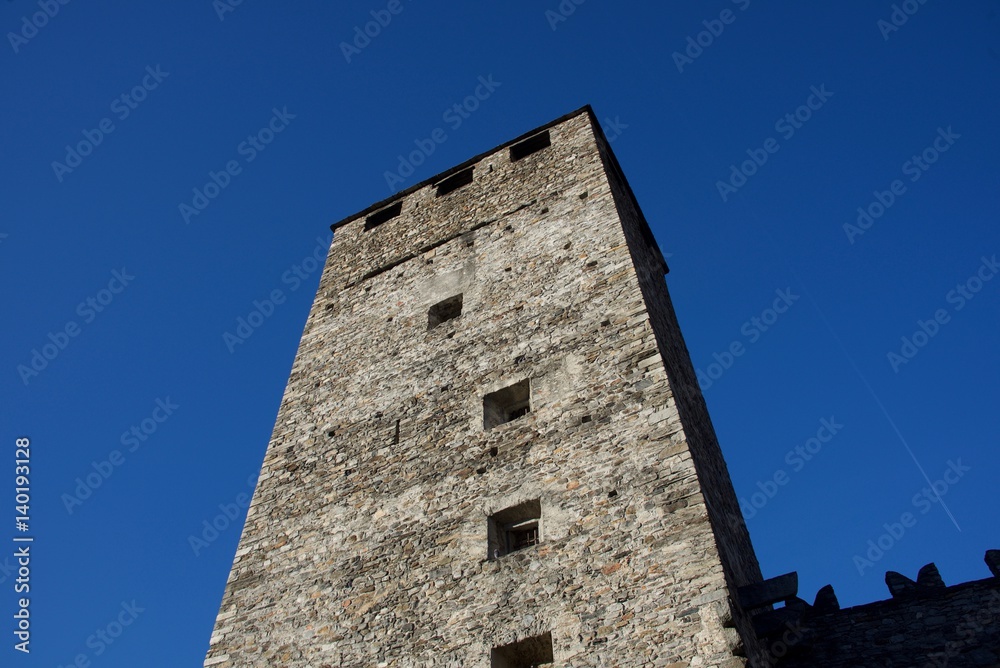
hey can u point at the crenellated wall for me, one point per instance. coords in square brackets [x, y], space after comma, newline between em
[925, 624]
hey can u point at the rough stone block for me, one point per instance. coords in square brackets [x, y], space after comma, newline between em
[900, 585]
[826, 600]
[929, 578]
[769, 591]
[993, 561]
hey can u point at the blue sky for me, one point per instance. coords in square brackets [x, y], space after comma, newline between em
[797, 298]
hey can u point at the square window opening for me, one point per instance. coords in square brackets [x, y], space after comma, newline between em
[455, 181]
[384, 215]
[506, 404]
[530, 145]
[443, 311]
[515, 528]
[532, 652]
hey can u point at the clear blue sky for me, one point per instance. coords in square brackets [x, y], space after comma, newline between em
[149, 350]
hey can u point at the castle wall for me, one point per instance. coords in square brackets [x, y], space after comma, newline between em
[925, 627]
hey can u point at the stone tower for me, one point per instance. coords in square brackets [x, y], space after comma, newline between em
[492, 449]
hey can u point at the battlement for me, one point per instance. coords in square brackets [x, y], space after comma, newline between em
[506, 180]
[926, 624]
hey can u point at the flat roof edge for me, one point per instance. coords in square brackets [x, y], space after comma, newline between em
[586, 109]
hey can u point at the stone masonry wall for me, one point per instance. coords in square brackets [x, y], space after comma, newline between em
[366, 541]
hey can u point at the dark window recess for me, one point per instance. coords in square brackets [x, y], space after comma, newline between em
[455, 181]
[507, 404]
[530, 145]
[527, 653]
[443, 311]
[385, 214]
[522, 536]
[514, 529]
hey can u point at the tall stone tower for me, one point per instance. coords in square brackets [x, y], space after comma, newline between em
[492, 450]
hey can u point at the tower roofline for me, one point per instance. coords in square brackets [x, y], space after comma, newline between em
[586, 109]
[598, 130]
